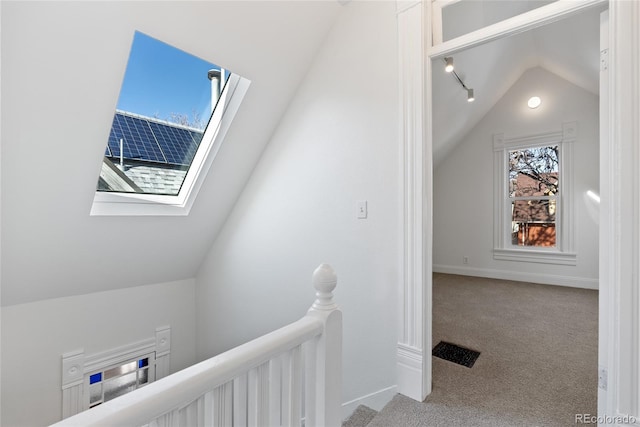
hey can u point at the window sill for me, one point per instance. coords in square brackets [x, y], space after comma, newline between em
[119, 204]
[539, 256]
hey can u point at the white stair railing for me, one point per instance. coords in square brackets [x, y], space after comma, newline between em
[279, 379]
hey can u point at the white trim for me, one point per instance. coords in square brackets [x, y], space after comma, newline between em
[415, 170]
[415, 292]
[403, 5]
[376, 400]
[606, 223]
[519, 276]
[569, 133]
[410, 369]
[75, 366]
[437, 30]
[518, 24]
[620, 187]
[117, 355]
[163, 340]
[619, 258]
[410, 357]
[543, 257]
[72, 368]
[106, 203]
[504, 250]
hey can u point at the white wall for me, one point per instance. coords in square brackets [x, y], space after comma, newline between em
[336, 144]
[35, 335]
[62, 67]
[463, 184]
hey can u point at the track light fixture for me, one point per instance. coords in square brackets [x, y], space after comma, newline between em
[449, 69]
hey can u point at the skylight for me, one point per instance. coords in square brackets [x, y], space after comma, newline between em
[172, 114]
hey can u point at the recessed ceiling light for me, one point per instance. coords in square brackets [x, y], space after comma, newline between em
[534, 102]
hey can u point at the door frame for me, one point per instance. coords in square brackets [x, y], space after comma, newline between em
[619, 276]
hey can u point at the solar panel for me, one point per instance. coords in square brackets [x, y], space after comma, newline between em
[138, 141]
[148, 140]
[177, 144]
[197, 137]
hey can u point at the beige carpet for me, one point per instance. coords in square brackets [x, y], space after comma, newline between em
[361, 417]
[538, 362]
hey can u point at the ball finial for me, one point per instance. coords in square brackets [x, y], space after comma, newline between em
[325, 281]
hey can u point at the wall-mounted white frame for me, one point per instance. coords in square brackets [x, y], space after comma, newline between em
[619, 329]
[414, 335]
[436, 19]
[619, 338]
[526, 21]
[76, 364]
[136, 204]
[563, 253]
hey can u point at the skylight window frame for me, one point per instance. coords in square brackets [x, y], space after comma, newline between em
[140, 204]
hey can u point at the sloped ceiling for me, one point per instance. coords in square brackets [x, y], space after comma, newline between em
[567, 48]
[62, 66]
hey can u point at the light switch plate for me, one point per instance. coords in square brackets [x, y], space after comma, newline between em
[361, 207]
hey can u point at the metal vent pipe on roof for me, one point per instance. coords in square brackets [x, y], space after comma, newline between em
[216, 85]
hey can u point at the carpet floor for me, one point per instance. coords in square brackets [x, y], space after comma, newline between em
[361, 417]
[538, 362]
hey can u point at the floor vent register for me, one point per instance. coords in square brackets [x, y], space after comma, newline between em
[456, 354]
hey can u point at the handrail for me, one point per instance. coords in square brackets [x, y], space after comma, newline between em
[178, 390]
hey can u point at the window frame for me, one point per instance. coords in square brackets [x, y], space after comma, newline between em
[75, 364]
[101, 368]
[139, 204]
[563, 253]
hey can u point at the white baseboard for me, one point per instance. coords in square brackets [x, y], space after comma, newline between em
[410, 372]
[376, 400]
[521, 276]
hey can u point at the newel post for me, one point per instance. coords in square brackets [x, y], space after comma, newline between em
[324, 363]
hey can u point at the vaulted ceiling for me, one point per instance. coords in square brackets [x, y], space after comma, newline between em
[62, 67]
[568, 48]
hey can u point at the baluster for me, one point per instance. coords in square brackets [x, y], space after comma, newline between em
[310, 350]
[222, 405]
[189, 415]
[240, 405]
[170, 419]
[206, 417]
[175, 418]
[275, 391]
[258, 399]
[286, 389]
[292, 412]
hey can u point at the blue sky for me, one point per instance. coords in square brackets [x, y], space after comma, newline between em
[161, 80]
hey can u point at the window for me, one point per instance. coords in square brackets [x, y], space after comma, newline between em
[90, 380]
[116, 380]
[455, 18]
[173, 113]
[533, 220]
[533, 194]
